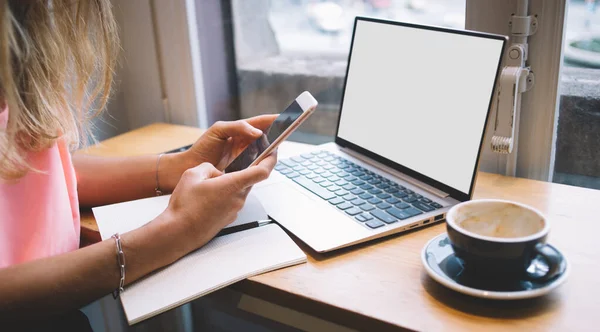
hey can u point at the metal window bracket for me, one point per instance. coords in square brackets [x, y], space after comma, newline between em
[523, 26]
[516, 77]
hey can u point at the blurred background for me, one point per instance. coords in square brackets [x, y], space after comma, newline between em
[195, 62]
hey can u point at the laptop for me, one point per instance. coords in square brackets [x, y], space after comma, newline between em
[412, 120]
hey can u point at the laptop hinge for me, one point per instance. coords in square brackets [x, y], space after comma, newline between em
[414, 182]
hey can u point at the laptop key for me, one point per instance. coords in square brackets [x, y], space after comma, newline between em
[351, 178]
[292, 175]
[383, 186]
[383, 206]
[403, 214]
[342, 192]
[318, 179]
[340, 182]
[392, 200]
[357, 191]
[367, 216]
[306, 155]
[328, 167]
[288, 163]
[305, 172]
[321, 163]
[326, 175]
[306, 163]
[312, 167]
[367, 207]
[343, 175]
[311, 176]
[336, 200]
[436, 205]
[349, 186]
[384, 196]
[374, 223]
[345, 205]
[349, 197]
[392, 190]
[353, 211]
[357, 201]
[366, 187]
[326, 184]
[402, 206]
[365, 196]
[360, 218]
[374, 181]
[297, 159]
[279, 167]
[375, 191]
[409, 198]
[358, 182]
[388, 219]
[315, 188]
[286, 171]
[374, 200]
[425, 200]
[422, 206]
[400, 194]
[334, 188]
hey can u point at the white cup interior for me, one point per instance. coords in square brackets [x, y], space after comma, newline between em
[497, 219]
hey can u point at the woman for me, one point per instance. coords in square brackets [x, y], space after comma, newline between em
[56, 62]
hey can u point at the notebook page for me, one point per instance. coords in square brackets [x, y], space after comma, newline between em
[127, 216]
[223, 261]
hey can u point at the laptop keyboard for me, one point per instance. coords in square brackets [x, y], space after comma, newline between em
[362, 194]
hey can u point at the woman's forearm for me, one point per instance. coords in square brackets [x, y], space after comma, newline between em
[104, 180]
[65, 282]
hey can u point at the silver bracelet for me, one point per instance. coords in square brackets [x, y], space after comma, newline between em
[157, 189]
[121, 264]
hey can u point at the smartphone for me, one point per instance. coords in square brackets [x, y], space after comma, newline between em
[285, 124]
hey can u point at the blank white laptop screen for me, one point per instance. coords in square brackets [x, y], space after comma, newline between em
[420, 98]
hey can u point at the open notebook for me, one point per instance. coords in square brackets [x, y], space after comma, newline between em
[223, 261]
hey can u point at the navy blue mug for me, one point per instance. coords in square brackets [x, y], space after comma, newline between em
[500, 239]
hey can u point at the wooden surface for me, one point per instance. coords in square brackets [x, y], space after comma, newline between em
[383, 283]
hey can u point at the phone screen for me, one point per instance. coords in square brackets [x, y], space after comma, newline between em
[278, 127]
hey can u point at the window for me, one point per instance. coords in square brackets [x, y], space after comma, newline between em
[284, 47]
[577, 160]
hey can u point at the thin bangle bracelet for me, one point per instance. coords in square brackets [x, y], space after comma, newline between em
[157, 189]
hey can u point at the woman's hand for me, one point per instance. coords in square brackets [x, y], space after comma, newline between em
[224, 141]
[206, 200]
[219, 146]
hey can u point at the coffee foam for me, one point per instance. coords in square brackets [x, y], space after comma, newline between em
[499, 219]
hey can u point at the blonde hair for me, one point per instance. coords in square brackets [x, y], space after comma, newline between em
[56, 71]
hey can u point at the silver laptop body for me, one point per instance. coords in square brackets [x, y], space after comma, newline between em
[410, 131]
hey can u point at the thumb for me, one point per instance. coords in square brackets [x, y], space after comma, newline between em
[205, 171]
[226, 129]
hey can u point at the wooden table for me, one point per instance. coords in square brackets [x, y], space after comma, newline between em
[382, 285]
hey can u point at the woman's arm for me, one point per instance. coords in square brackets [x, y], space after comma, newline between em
[106, 180]
[57, 284]
[103, 181]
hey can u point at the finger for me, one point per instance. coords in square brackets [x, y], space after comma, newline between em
[269, 162]
[262, 122]
[240, 128]
[252, 175]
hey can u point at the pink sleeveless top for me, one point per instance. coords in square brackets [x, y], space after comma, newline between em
[39, 213]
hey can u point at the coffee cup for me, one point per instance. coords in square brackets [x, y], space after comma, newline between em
[501, 239]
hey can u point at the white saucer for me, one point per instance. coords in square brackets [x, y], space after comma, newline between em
[441, 265]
